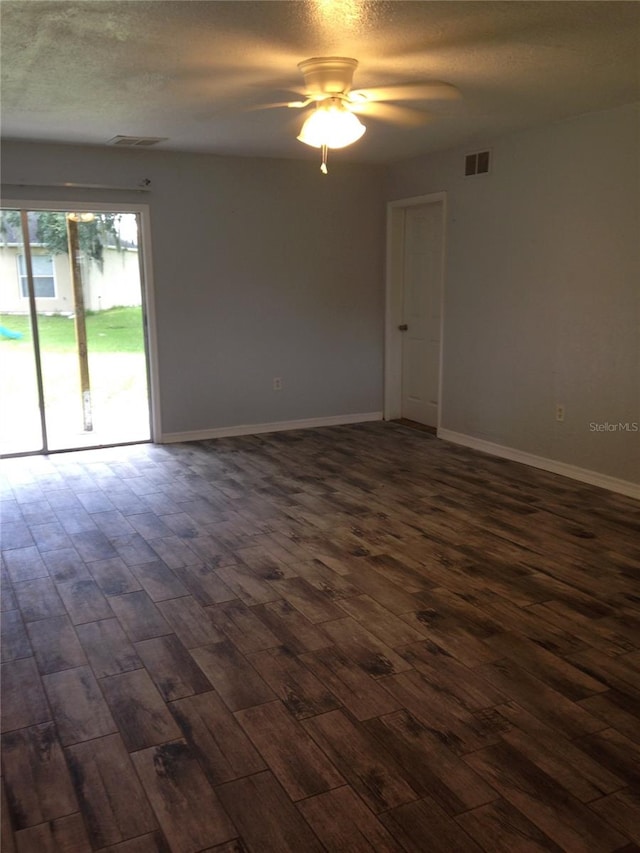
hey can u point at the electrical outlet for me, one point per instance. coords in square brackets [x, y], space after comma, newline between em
[560, 412]
[277, 383]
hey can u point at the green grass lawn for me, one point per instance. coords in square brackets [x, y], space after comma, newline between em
[115, 330]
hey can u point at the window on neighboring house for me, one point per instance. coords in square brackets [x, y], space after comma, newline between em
[44, 282]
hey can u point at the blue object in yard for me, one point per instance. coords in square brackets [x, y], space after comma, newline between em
[7, 333]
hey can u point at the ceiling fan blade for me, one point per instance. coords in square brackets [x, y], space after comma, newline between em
[428, 91]
[276, 105]
[392, 112]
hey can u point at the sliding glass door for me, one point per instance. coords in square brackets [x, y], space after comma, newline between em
[73, 354]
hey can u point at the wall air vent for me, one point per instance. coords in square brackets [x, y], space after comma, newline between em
[476, 164]
[136, 141]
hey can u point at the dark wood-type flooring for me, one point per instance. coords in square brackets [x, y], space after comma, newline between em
[347, 639]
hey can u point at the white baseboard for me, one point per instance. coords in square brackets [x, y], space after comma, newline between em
[584, 475]
[277, 426]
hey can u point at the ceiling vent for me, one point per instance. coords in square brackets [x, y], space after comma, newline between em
[136, 141]
[476, 164]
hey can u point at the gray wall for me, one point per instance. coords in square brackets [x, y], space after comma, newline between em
[262, 269]
[265, 268]
[542, 301]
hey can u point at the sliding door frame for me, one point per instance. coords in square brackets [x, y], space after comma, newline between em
[142, 211]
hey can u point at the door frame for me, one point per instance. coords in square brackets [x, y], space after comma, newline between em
[146, 285]
[393, 301]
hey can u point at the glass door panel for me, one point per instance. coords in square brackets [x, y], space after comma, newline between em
[89, 314]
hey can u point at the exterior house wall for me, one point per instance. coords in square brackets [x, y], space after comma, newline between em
[118, 283]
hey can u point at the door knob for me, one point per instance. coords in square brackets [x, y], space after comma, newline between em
[403, 327]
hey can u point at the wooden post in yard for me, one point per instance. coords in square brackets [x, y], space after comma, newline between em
[80, 320]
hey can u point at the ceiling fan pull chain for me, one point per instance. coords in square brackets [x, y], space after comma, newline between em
[325, 154]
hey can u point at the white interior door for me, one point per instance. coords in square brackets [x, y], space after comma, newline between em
[421, 312]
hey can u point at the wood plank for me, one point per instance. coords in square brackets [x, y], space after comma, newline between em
[55, 644]
[77, 705]
[307, 599]
[65, 565]
[343, 823]
[232, 676]
[454, 636]
[266, 818]
[371, 654]
[562, 759]
[549, 668]
[263, 563]
[552, 707]
[453, 678]
[14, 643]
[361, 760]
[107, 648]
[246, 585]
[113, 576]
[153, 842]
[216, 739]
[92, 545]
[63, 835]
[396, 599]
[302, 693]
[148, 525]
[210, 550]
[294, 759]
[461, 729]
[331, 584]
[38, 599]
[174, 551]
[133, 549]
[616, 752]
[7, 844]
[569, 823]
[38, 785]
[204, 584]
[84, 601]
[357, 691]
[617, 710]
[24, 564]
[112, 523]
[622, 810]
[614, 673]
[139, 616]
[416, 825]
[500, 827]
[142, 717]
[432, 769]
[242, 626]
[184, 803]
[293, 630]
[112, 801]
[158, 581]
[173, 670]
[182, 524]
[190, 621]
[22, 698]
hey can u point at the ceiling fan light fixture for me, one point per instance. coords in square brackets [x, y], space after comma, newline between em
[332, 125]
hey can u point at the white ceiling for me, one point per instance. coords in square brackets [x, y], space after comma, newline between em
[87, 70]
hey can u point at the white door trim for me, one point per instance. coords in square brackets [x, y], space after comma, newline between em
[147, 283]
[393, 305]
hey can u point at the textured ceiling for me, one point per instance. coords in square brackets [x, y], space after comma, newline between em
[194, 72]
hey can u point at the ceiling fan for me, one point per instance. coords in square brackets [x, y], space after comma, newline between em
[333, 119]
